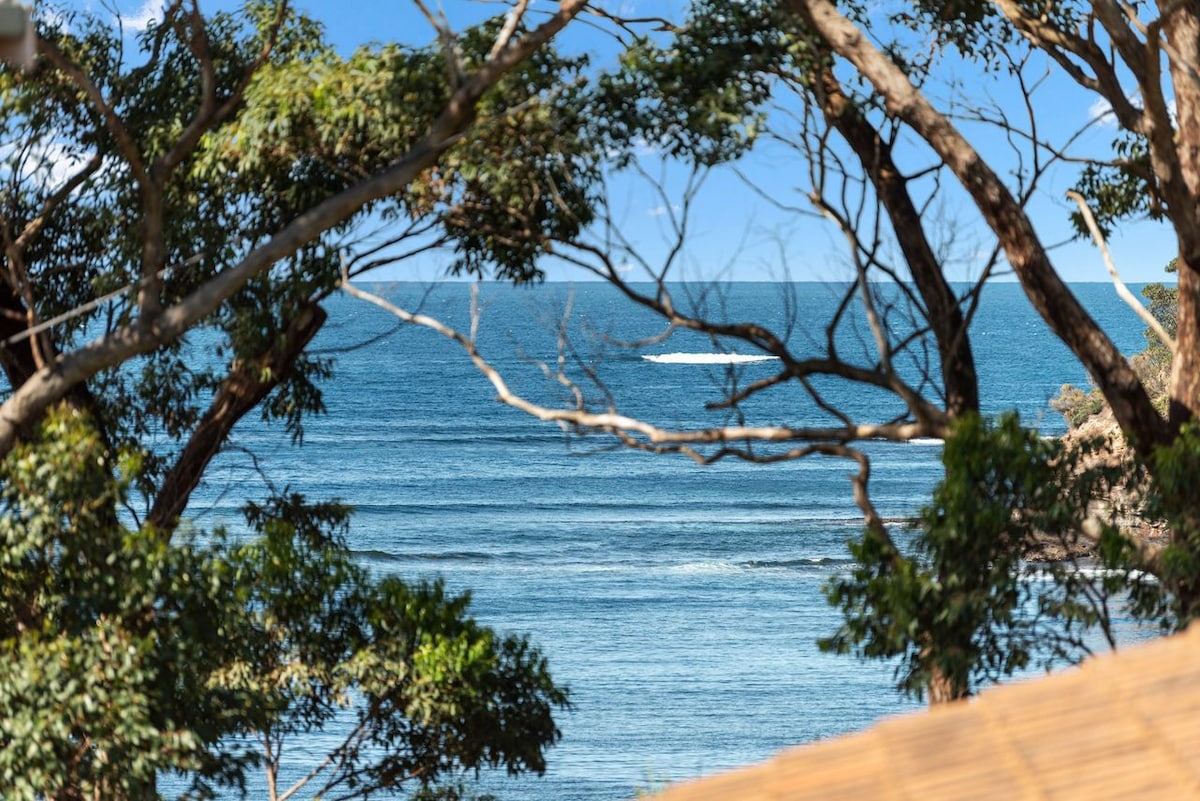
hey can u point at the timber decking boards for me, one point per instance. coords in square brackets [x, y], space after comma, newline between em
[1122, 726]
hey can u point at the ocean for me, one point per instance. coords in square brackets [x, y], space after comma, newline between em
[680, 603]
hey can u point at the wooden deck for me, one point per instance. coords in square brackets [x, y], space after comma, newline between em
[1122, 726]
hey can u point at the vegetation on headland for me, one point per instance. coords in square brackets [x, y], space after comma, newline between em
[1152, 365]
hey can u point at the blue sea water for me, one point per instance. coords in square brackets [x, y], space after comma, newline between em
[680, 603]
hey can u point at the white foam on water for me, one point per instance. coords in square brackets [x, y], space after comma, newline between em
[707, 568]
[1091, 572]
[706, 358]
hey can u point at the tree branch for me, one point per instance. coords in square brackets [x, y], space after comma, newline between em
[34, 226]
[1058, 44]
[112, 121]
[208, 115]
[1122, 290]
[958, 364]
[639, 433]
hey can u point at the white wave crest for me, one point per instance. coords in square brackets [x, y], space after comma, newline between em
[705, 358]
[925, 441]
[707, 568]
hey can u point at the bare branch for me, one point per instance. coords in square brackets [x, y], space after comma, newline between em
[912, 399]
[454, 65]
[321, 766]
[510, 26]
[638, 433]
[1122, 290]
[661, 24]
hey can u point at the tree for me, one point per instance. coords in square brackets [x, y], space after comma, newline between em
[218, 173]
[1074, 38]
[877, 154]
[113, 114]
[129, 656]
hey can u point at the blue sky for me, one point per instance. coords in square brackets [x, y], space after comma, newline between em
[736, 234]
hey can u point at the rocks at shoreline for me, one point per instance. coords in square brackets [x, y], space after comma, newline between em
[1122, 504]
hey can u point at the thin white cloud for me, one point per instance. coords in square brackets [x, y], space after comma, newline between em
[643, 147]
[54, 162]
[52, 17]
[151, 11]
[1101, 111]
[659, 211]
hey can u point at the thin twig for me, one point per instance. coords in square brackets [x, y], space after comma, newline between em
[93, 304]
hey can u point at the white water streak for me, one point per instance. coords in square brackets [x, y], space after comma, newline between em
[705, 358]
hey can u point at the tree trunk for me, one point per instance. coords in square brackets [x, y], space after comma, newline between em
[17, 359]
[942, 690]
[945, 318]
[1182, 28]
[247, 384]
[1185, 367]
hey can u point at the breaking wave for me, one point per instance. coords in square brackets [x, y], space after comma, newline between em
[706, 358]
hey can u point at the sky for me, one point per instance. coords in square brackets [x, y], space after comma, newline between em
[736, 233]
